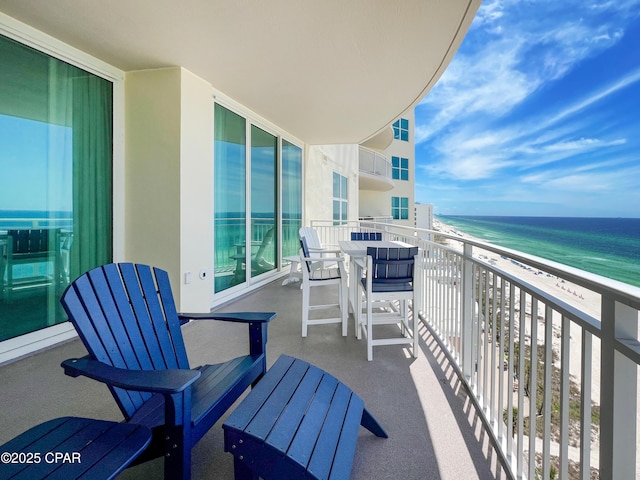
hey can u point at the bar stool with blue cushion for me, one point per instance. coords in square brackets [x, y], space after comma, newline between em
[388, 286]
[315, 273]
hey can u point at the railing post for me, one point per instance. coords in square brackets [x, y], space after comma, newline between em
[618, 395]
[466, 332]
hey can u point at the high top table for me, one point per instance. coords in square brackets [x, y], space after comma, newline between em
[357, 251]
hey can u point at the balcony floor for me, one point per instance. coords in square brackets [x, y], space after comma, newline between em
[434, 432]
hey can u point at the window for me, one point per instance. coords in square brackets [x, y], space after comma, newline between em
[401, 129]
[400, 208]
[56, 184]
[400, 168]
[340, 199]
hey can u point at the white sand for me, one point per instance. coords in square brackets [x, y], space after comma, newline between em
[585, 300]
[576, 296]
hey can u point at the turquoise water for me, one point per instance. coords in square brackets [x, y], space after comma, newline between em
[606, 246]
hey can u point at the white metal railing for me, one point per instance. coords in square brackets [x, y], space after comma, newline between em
[8, 223]
[374, 163]
[525, 353]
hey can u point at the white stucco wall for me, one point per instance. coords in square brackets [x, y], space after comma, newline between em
[168, 179]
[374, 204]
[321, 161]
[403, 188]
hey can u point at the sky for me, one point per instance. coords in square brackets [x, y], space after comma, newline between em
[538, 114]
[38, 155]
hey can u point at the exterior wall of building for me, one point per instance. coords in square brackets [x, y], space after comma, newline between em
[374, 204]
[169, 179]
[404, 188]
[321, 162]
[424, 216]
[379, 203]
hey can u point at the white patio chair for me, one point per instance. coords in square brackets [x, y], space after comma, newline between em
[315, 274]
[316, 249]
[388, 286]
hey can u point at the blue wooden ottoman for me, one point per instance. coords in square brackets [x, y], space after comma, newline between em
[73, 448]
[299, 422]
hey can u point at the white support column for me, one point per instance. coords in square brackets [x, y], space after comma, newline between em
[618, 395]
[467, 312]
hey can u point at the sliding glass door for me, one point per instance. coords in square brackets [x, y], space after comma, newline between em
[264, 160]
[250, 243]
[55, 183]
[291, 198]
[230, 211]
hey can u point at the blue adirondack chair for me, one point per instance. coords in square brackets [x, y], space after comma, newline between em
[127, 319]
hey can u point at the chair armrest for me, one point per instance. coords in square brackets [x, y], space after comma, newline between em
[325, 250]
[161, 381]
[242, 317]
[257, 322]
[337, 258]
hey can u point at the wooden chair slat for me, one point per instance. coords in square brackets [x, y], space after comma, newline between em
[284, 431]
[156, 316]
[328, 441]
[141, 314]
[345, 451]
[305, 440]
[125, 314]
[171, 316]
[261, 425]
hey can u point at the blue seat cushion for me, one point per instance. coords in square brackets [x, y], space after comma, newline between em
[386, 286]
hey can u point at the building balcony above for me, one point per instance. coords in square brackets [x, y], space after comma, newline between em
[375, 171]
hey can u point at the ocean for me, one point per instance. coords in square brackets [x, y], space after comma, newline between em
[606, 246]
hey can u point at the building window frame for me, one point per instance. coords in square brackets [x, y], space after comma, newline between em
[400, 168]
[401, 129]
[400, 208]
[340, 199]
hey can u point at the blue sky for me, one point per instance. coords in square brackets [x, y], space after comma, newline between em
[537, 114]
[37, 157]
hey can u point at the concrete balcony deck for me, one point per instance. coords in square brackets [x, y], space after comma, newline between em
[434, 431]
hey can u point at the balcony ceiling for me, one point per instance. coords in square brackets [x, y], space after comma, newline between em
[330, 71]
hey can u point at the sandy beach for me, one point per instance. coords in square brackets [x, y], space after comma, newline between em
[585, 300]
[579, 297]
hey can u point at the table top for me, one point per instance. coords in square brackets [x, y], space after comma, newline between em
[358, 248]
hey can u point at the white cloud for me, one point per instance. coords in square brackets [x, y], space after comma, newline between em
[493, 78]
[596, 96]
[582, 145]
[569, 149]
[488, 13]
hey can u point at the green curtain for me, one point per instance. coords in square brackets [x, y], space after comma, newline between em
[92, 173]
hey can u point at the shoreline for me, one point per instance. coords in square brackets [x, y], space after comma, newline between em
[574, 295]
